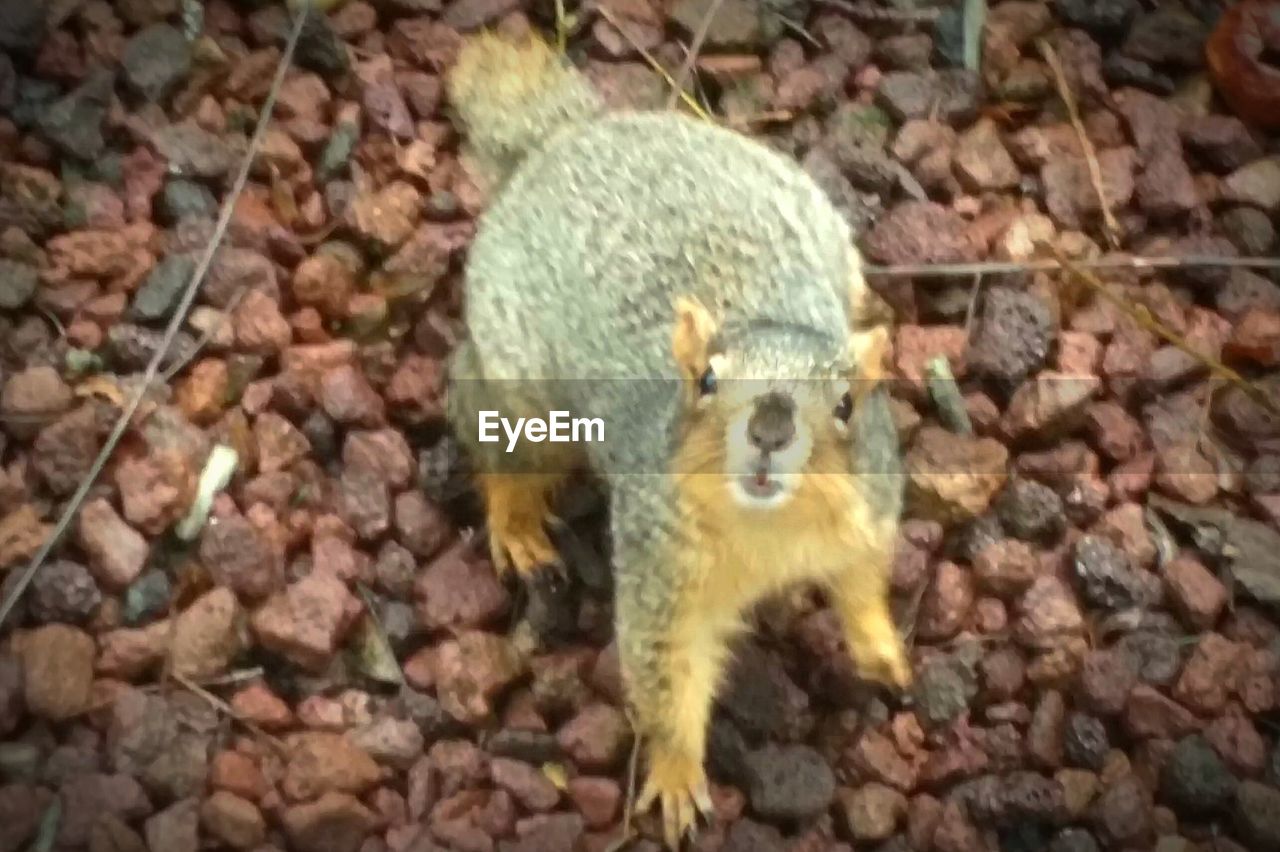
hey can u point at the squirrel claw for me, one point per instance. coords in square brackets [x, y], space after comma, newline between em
[524, 554]
[883, 662]
[681, 793]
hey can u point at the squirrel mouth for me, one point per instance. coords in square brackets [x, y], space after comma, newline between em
[760, 484]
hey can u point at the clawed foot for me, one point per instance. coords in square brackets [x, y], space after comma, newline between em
[882, 659]
[678, 784]
[522, 548]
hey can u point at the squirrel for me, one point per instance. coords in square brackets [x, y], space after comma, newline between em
[698, 293]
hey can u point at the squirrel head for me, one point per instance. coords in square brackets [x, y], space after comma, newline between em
[769, 403]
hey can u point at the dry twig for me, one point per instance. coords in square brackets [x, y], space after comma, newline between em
[869, 13]
[1090, 155]
[688, 100]
[179, 316]
[691, 56]
[628, 809]
[1145, 319]
[953, 270]
[214, 701]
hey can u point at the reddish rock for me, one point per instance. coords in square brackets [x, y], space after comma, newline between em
[1208, 674]
[1069, 194]
[921, 232]
[1049, 404]
[1044, 742]
[384, 452]
[57, 667]
[237, 773]
[260, 327]
[1237, 741]
[238, 556]
[336, 822]
[1150, 714]
[1125, 525]
[234, 821]
[306, 621]
[129, 653]
[32, 397]
[326, 281]
[872, 812]
[982, 163]
[1005, 568]
[202, 392]
[88, 797]
[875, 756]
[64, 450]
[348, 398]
[1184, 473]
[1122, 813]
[279, 442]
[421, 526]
[1106, 678]
[952, 478]
[596, 798]
[207, 635]
[386, 217]
[1196, 594]
[116, 551]
[916, 345]
[176, 827]
[1047, 614]
[597, 738]
[1003, 674]
[150, 495]
[322, 762]
[261, 706]
[457, 590]
[21, 535]
[473, 670]
[946, 604]
[395, 742]
[526, 783]
[954, 832]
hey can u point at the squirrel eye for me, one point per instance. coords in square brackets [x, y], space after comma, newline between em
[707, 384]
[844, 408]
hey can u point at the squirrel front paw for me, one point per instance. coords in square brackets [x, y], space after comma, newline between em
[523, 549]
[678, 783]
[882, 659]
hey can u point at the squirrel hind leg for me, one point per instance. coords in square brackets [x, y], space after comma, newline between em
[518, 508]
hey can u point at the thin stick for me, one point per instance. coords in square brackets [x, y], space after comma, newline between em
[215, 701]
[1145, 319]
[171, 332]
[628, 807]
[208, 335]
[953, 270]
[867, 13]
[1090, 155]
[972, 308]
[693, 105]
[691, 56]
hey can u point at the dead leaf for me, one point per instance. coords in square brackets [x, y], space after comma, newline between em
[102, 386]
[1250, 549]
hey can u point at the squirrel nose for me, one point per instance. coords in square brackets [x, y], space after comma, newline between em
[772, 426]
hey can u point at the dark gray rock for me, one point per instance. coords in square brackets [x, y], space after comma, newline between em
[156, 60]
[1194, 781]
[73, 123]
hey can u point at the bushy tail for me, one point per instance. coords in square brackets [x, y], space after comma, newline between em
[511, 96]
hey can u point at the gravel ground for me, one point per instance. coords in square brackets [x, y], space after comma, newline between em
[1093, 605]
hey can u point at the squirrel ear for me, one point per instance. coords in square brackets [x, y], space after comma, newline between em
[691, 337]
[866, 351]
